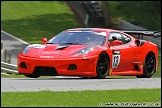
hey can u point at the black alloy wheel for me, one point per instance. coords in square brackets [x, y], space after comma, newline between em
[149, 66]
[102, 66]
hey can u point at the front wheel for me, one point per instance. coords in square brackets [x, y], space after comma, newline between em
[102, 65]
[149, 66]
[33, 76]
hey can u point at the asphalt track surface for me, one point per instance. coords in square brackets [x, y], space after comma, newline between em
[76, 84]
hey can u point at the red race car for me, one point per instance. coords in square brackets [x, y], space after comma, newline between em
[91, 52]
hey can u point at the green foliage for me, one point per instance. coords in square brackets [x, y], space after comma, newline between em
[142, 13]
[33, 20]
[87, 98]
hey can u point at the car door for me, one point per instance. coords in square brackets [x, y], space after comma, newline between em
[121, 54]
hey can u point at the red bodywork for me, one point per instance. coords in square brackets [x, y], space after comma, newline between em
[131, 57]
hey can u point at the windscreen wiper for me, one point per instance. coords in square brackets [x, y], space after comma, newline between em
[69, 43]
[50, 43]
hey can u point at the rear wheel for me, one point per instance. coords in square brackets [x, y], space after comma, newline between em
[33, 76]
[102, 66]
[149, 66]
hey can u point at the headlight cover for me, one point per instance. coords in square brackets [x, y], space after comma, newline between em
[84, 51]
[26, 49]
[34, 46]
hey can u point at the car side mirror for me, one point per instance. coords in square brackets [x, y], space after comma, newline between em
[44, 40]
[115, 43]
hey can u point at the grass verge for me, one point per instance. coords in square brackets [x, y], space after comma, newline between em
[87, 98]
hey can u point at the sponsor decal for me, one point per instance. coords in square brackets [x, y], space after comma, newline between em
[141, 66]
[50, 52]
[98, 33]
[110, 71]
[78, 31]
[46, 56]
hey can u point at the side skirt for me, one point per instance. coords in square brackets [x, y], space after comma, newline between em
[138, 71]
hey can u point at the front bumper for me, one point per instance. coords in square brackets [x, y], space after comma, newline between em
[69, 66]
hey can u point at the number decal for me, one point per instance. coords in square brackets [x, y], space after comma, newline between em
[116, 59]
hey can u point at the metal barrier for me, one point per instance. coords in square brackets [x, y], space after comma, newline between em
[124, 25]
[8, 68]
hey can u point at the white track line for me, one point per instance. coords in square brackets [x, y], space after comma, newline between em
[14, 37]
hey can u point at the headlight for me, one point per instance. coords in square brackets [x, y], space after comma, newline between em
[84, 51]
[26, 49]
[33, 46]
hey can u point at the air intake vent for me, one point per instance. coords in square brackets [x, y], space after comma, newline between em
[72, 67]
[40, 70]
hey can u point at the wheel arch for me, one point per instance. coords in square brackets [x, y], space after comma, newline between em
[106, 54]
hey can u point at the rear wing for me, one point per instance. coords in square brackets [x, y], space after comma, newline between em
[142, 33]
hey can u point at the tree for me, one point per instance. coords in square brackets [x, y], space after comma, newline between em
[106, 12]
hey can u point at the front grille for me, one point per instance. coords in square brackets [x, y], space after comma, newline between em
[40, 70]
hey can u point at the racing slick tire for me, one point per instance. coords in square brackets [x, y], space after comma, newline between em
[149, 66]
[33, 76]
[102, 66]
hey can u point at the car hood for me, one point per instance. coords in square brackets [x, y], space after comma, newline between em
[54, 51]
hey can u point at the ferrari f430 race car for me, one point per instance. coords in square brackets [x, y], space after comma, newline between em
[91, 52]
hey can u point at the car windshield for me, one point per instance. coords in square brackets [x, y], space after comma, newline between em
[79, 37]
